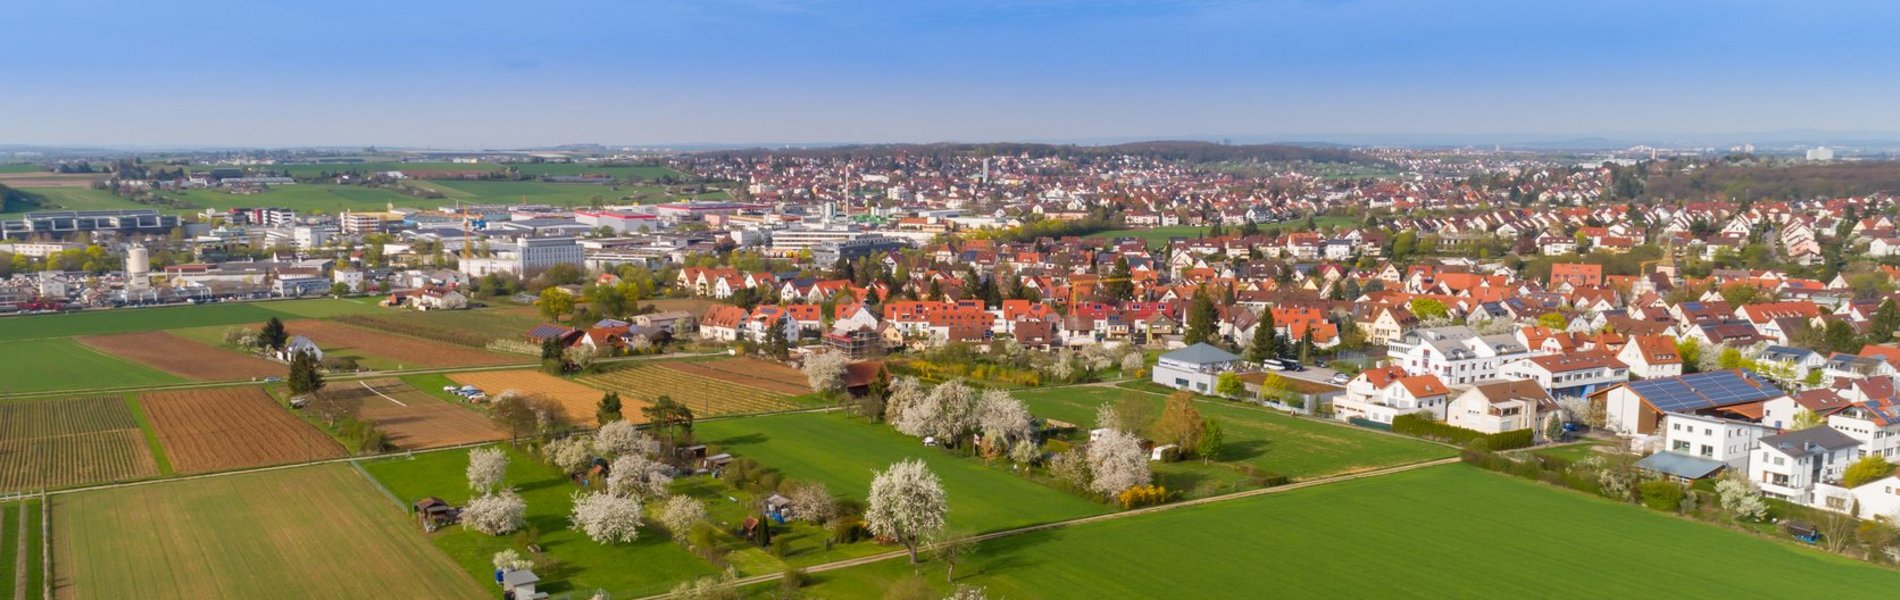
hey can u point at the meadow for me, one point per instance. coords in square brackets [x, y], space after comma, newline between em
[648, 565]
[842, 453]
[95, 322]
[308, 197]
[314, 169]
[315, 532]
[76, 198]
[42, 365]
[644, 172]
[1296, 447]
[21, 567]
[1395, 536]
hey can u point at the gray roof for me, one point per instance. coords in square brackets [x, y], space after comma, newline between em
[1784, 353]
[1681, 465]
[1201, 354]
[519, 577]
[1812, 440]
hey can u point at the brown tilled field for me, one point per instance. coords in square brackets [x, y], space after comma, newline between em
[54, 443]
[415, 420]
[760, 374]
[183, 357]
[579, 400]
[231, 428]
[404, 349]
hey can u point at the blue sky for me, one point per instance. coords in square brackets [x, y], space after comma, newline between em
[490, 74]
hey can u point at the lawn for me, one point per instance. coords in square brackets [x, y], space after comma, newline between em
[1570, 452]
[306, 197]
[315, 532]
[63, 364]
[649, 565]
[1444, 532]
[128, 320]
[1275, 442]
[843, 453]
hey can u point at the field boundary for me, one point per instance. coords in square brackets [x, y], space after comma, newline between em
[159, 458]
[358, 468]
[865, 560]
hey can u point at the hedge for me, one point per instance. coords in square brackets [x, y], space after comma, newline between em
[1421, 425]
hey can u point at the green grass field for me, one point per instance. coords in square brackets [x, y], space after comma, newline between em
[1275, 442]
[20, 538]
[308, 197]
[172, 317]
[647, 566]
[63, 364]
[78, 198]
[309, 170]
[1441, 532]
[621, 172]
[843, 453]
[1571, 452]
[315, 532]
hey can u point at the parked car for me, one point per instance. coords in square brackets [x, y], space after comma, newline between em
[1340, 379]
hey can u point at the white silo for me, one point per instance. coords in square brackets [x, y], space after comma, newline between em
[138, 266]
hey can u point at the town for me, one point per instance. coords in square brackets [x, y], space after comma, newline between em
[1115, 326]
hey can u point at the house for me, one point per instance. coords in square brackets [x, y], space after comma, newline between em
[1880, 497]
[1789, 465]
[1576, 275]
[1874, 422]
[299, 344]
[518, 584]
[1793, 364]
[1456, 354]
[1500, 406]
[1713, 437]
[676, 322]
[1570, 375]
[1194, 368]
[722, 323]
[1637, 407]
[1843, 366]
[1651, 356]
[1379, 395]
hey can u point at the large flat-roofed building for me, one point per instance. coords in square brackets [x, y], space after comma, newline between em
[67, 222]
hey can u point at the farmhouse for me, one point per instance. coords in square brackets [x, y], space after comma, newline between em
[1194, 367]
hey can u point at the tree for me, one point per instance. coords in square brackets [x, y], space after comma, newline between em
[1740, 498]
[669, 416]
[1730, 358]
[1229, 385]
[1274, 388]
[1869, 468]
[335, 407]
[825, 373]
[1429, 308]
[812, 502]
[721, 587]
[305, 374]
[339, 289]
[907, 504]
[1212, 439]
[496, 513]
[636, 476]
[555, 303]
[679, 514]
[623, 438]
[1806, 419]
[570, 455]
[1552, 320]
[1840, 337]
[512, 411]
[1266, 339]
[1003, 420]
[951, 548]
[1132, 364]
[944, 414]
[1201, 316]
[1120, 288]
[1886, 320]
[606, 518]
[1690, 350]
[906, 392]
[274, 336]
[1071, 469]
[509, 560]
[487, 468]
[1117, 462]
[1181, 423]
[608, 410]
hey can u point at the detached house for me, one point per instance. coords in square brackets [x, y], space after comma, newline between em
[1789, 465]
[1379, 395]
[1500, 406]
[1651, 356]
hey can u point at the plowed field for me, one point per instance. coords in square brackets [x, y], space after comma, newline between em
[414, 420]
[579, 400]
[405, 350]
[231, 428]
[183, 357]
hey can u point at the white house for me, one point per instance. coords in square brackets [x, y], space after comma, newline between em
[1500, 406]
[1456, 354]
[1712, 437]
[296, 344]
[1787, 466]
[1874, 424]
[1194, 368]
[1651, 356]
[1877, 498]
[1379, 395]
[1573, 375]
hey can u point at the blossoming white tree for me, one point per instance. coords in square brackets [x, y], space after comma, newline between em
[1116, 463]
[946, 413]
[606, 518]
[825, 372]
[680, 514]
[495, 513]
[907, 504]
[487, 467]
[1002, 419]
[509, 560]
[635, 475]
[621, 438]
[812, 502]
[570, 455]
[905, 392]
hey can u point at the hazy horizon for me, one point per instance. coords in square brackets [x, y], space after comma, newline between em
[492, 75]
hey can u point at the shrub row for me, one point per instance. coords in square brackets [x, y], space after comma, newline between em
[1423, 426]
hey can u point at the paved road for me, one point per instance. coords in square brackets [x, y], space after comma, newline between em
[1315, 374]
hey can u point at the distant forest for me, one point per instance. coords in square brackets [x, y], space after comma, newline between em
[1722, 179]
[1199, 152]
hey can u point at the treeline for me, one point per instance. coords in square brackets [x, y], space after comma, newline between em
[1755, 181]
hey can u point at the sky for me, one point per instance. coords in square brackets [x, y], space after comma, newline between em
[480, 74]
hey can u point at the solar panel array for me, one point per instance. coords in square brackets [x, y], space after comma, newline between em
[1704, 390]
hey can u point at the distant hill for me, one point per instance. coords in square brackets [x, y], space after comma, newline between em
[1189, 151]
